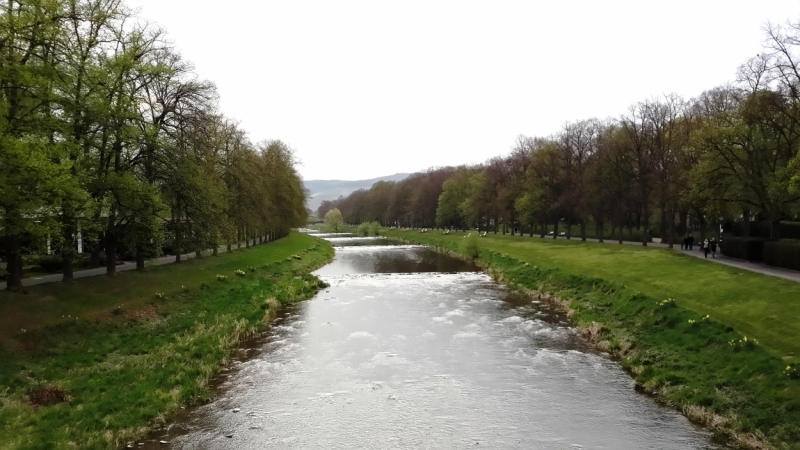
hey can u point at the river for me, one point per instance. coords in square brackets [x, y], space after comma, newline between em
[413, 349]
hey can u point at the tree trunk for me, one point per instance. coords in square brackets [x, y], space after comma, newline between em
[139, 257]
[14, 267]
[94, 255]
[68, 253]
[745, 222]
[672, 230]
[583, 230]
[646, 225]
[775, 227]
[702, 230]
[684, 227]
[111, 249]
[569, 229]
[555, 230]
[598, 229]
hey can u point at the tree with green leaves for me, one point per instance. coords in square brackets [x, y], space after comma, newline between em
[333, 220]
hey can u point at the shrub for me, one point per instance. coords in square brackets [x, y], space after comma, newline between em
[374, 228]
[51, 263]
[751, 249]
[3, 273]
[784, 253]
[470, 246]
[363, 229]
[790, 230]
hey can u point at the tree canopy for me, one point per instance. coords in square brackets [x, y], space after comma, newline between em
[108, 136]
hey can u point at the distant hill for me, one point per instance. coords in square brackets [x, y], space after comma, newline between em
[331, 189]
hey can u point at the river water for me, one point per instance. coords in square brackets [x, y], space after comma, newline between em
[411, 349]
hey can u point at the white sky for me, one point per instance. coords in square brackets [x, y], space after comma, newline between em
[369, 88]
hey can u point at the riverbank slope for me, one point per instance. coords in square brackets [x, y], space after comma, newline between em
[100, 362]
[712, 341]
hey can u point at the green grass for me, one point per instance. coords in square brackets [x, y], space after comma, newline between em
[132, 358]
[740, 390]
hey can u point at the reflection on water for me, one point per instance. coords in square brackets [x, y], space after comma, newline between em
[392, 259]
[397, 354]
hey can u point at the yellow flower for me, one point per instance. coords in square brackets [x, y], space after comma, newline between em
[745, 338]
[788, 367]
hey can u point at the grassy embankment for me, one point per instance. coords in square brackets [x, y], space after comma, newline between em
[705, 367]
[98, 363]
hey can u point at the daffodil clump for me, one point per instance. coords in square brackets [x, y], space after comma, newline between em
[669, 301]
[160, 295]
[297, 257]
[704, 318]
[743, 342]
[222, 277]
[240, 273]
[792, 372]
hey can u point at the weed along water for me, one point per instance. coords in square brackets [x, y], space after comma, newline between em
[409, 348]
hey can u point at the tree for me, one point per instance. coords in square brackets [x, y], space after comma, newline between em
[333, 219]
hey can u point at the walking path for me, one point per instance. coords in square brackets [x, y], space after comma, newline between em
[758, 267]
[127, 265]
[752, 266]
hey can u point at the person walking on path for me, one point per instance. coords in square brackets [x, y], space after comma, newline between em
[691, 242]
[685, 243]
[704, 246]
[713, 244]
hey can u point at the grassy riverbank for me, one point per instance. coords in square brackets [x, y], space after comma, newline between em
[99, 363]
[702, 366]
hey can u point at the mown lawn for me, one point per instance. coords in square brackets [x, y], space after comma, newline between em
[97, 364]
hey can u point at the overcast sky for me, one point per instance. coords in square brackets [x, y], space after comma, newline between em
[368, 88]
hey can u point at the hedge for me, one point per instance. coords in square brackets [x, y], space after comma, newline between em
[751, 249]
[784, 253]
[788, 230]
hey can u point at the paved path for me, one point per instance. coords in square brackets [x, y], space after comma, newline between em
[127, 265]
[758, 267]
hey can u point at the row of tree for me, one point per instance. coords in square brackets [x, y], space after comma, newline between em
[667, 166]
[107, 136]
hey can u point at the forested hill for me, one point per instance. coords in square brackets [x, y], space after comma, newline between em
[321, 190]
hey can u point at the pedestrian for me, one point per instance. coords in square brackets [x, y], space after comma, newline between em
[691, 242]
[713, 244]
[705, 247]
[685, 243]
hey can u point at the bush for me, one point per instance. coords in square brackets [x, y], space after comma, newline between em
[374, 228]
[790, 230]
[51, 263]
[3, 273]
[751, 249]
[363, 229]
[784, 253]
[470, 246]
